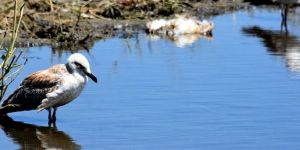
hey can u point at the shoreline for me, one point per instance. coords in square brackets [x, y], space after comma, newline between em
[64, 29]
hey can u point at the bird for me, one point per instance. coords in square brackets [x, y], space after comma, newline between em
[181, 25]
[50, 88]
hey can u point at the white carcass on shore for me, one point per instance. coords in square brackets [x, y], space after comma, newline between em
[179, 26]
[180, 30]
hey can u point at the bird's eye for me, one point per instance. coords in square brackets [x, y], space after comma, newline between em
[79, 65]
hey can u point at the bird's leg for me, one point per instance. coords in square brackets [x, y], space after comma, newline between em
[284, 15]
[49, 116]
[54, 115]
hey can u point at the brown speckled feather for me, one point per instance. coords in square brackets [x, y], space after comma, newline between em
[33, 90]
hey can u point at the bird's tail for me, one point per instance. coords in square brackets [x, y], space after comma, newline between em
[8, 109]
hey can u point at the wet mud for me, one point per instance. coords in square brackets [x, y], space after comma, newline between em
[73, 26]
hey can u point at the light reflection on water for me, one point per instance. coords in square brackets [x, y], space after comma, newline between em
[228, 93]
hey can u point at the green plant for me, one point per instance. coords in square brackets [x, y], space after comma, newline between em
[9, 67]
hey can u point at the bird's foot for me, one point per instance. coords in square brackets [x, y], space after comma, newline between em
[51, 123]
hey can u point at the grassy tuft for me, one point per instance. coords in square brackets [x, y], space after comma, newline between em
[9, 66]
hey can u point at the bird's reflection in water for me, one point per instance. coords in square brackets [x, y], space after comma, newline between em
[181, 40]
[279, 43]
[29, 136]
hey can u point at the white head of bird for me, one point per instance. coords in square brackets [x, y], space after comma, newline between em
[78, 63]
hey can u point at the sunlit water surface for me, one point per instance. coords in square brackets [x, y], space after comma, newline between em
[231, 92]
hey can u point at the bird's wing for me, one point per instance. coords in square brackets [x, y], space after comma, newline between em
[33, 90]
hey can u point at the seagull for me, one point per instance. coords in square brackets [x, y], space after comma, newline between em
[51, 88]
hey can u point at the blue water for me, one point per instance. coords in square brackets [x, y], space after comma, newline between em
[230, 92]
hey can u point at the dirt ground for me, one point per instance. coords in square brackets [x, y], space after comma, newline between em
[69, 25]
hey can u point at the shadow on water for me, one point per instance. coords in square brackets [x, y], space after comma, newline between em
[29, 136]
[279, 43]
[58, 49]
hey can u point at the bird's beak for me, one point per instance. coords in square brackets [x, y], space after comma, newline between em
[93, 77]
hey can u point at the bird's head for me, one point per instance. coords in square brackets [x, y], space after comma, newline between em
[78, 62]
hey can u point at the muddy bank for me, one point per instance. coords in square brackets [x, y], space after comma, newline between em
[68, 25]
